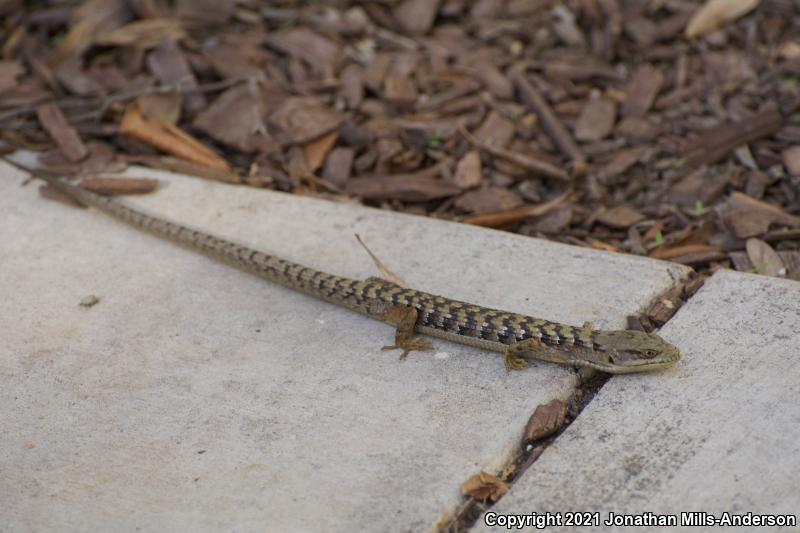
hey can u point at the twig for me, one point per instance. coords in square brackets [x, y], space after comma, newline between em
[103, 102]
[532, 98]
[504, 218]
[523, 161]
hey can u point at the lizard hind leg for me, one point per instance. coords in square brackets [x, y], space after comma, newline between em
[405, 318]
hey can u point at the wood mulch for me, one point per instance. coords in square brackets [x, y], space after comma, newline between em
[662, 128]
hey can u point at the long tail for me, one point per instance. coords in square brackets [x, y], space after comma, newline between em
[287, 273]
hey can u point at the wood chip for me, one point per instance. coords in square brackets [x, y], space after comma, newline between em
[497, 82]
[703, 185]
[536, 166]
[642, 90]
[622, 161]
[9, 72]
[110, 186]
[406, 187]
[716, 143]
[596, 120]
[65, 136]
[308, 45]
[169, 64]
[621, 216]
[496, 131]
[400, 91]
[338, 165]
[791, 160]
[51, 193]
[488, 200]
[545, 420]
[316, 151]
[532, 98]
[468, 171]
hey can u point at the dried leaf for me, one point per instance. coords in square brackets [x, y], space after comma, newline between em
[545, 420]
[90, 19]
[416, 16]
[169, 138]
[316, 151]
[749, 217]
[65, 136]
[51, 193]
[484, 486]
[600, 245]
[670, 251]
[765, 260]
[304, 119]
[716, 12]
[621, 216]
[182, 166]
[497, 220]
[235, 118]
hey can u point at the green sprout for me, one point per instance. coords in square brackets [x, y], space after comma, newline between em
[698, 206]
[436, 140]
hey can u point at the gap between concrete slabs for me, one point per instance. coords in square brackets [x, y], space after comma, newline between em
[717, 433]
[194, 396]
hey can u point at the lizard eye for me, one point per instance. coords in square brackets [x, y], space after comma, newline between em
[650, 353]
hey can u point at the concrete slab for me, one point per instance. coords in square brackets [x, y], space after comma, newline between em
[196, 397]
[719, 432]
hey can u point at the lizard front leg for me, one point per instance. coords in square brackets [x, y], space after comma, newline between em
[405, 318]
[511, 355]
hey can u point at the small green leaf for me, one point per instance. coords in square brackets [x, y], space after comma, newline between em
[659, 238]
[680, 162]
[436, 140]
[698, 205]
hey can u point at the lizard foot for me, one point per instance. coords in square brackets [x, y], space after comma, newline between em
[409, 345]
[513, 362]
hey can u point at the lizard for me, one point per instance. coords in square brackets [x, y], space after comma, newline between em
[518, 337]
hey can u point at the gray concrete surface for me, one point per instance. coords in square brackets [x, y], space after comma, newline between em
[194, 397]
[720, 432]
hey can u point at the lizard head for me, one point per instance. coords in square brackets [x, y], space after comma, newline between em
[624, 351]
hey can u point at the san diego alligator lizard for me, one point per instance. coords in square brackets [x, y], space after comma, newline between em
[520, 338]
